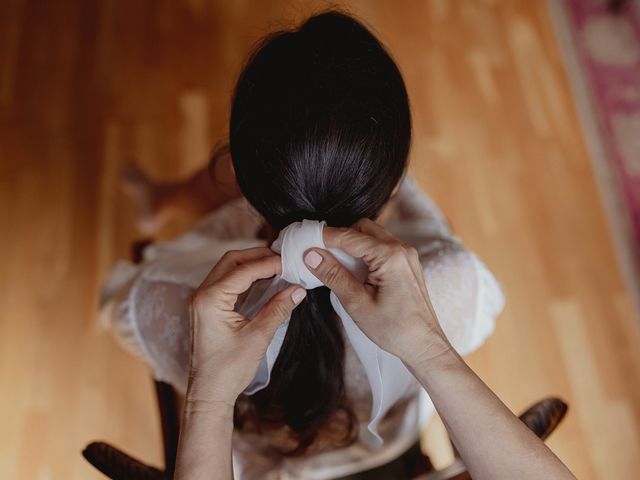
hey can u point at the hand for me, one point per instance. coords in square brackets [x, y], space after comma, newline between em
[392, 307]
[226, 348]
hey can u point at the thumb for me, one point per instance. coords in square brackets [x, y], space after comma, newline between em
[332, 273]
[277, 309]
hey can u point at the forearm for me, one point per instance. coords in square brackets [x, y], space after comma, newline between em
[493, 443]
[204, 450]
[197, 194]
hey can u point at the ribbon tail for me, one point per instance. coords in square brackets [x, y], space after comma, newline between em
[387, 375]
[249, 307]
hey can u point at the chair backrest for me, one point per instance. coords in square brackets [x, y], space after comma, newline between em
[542, 418]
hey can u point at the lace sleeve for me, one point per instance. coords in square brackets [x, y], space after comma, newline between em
[160, 319]
[150, 319]
[464, 293]
[146, 306]
[115, 306]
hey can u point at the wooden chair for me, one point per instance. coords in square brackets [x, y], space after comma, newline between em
[542, 418]
[118, 465]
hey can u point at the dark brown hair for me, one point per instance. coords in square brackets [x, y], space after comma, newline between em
[320, 129]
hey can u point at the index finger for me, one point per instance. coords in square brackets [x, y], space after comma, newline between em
[232, 259]
[237, 281]
[355, 243]
[368, 226]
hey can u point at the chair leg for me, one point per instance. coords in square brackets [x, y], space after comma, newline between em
[170, 422]
[117, 465]
[543, 417]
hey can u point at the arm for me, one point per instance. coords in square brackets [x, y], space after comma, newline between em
[205, 440]
[226, 349]
[493, 443]
[204, 191]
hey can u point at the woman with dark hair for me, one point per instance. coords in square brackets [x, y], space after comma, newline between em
[320, 130]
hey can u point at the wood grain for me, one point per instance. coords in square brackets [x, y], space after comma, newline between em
[86, 85]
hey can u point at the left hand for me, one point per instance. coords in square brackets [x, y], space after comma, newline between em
[226, 348]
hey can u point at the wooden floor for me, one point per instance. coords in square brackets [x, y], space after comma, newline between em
[86, 85]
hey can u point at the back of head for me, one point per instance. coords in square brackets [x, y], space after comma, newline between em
[320, 129]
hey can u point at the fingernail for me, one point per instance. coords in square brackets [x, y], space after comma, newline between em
[298, 295]
[313, 259]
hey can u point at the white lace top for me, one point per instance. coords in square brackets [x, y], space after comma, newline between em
[146, 307]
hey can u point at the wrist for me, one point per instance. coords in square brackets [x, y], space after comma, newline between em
[220, 409]
[430, 351]
[423, 340]
[207, 393]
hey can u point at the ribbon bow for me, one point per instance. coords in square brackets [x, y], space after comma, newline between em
[387, 375]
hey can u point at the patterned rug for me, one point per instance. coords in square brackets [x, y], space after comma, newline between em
[601, 48]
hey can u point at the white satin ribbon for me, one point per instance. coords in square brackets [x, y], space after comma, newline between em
[387, 375]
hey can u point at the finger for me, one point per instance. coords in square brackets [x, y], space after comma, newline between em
[232, 259]
[371, 250]
[351, 241]
[331, 273]
[370, 227]
[277, 310]
[374, 229]
[229, 286]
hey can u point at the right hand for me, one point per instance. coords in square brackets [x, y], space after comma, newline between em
[392, 307]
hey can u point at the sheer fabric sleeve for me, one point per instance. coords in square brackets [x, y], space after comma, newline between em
[145, 306]
[464, 293]
[160, 317]
[115, 306]
[149, 313]
[150, 319]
